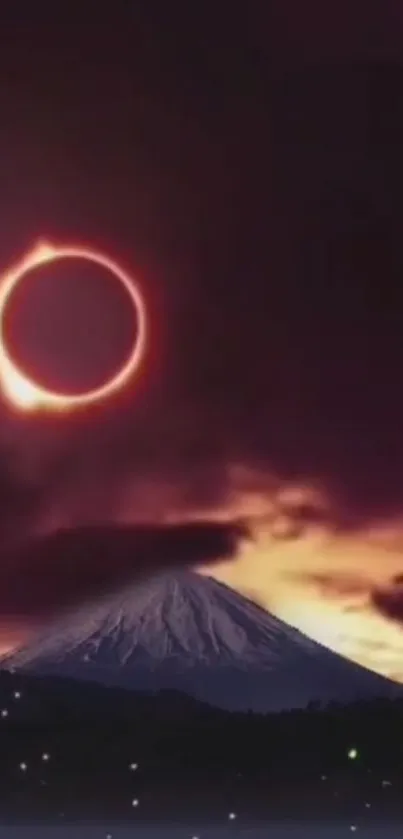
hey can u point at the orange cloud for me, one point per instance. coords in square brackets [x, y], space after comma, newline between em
[304, 567]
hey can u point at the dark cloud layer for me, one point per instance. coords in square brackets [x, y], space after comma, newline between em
[61, 571]
[389, 600]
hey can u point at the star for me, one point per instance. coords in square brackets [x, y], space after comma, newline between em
[45, 756]
[352, 754]
[135, 802]
[4, 713]
[133, 767]
[17, 694]
[23, 767]
[232, 816]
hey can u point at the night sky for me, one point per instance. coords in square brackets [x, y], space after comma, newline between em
[245, 167]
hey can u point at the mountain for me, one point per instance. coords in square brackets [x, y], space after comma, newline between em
[192, 634]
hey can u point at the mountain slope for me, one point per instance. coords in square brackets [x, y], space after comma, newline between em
[190, 633]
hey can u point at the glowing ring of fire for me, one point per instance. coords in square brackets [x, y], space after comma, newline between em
[19, 388]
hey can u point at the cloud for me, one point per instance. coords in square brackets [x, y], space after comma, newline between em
[60, 571]
[333, 584]
[388, 600]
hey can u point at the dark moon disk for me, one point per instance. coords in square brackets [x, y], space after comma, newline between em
[70, 325]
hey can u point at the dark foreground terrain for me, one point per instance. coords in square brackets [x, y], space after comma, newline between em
[73, 752]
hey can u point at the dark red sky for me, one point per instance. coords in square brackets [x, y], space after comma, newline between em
[248, 168]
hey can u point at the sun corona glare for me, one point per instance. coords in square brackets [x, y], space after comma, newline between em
[21, 391]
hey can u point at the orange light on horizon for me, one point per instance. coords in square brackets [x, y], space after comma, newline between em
[19, 388]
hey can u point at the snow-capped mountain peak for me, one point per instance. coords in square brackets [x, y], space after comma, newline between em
[192, 633]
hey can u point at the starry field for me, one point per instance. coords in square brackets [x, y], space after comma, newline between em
[84, 761]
